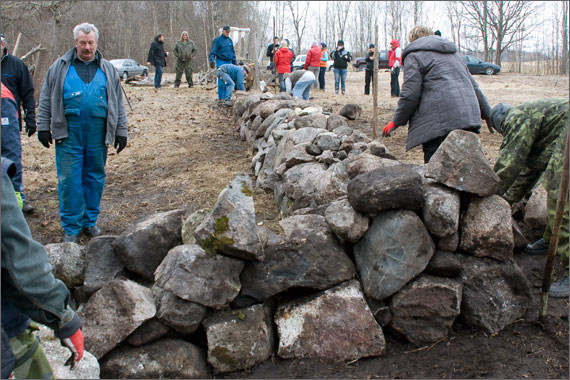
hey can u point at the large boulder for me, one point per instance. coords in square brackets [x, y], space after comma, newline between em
[308, 255]
[148, 332]
[445, 264]
[266, 177]
[350, 111]
[441, 209]
[68, 262]
[177, 313]
[301, 184]
[395, 249]
[315, 120]
[333, 183]
[102, 265]
[306, 135]
[367, 162]
[386, 188]
[425, 309]
[345, 222]
[194, 275]
[336, 121]
[267, 108]
[164, 359]
[328, 141]
[460, 163]
[335, 325]
[143, 245]
[230, 227]
[113, 313]
[535, 210]
[495, 294]
[239, 339]
[486, 228]
[190, 224]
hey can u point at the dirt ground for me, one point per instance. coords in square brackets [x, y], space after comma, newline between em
[184, 149]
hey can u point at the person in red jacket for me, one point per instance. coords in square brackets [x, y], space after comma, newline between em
[313, 61]
[282, 60]
[395, 61]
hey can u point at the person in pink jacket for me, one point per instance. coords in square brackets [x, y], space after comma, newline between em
[282, 60]
[395, 61]
[313, 62]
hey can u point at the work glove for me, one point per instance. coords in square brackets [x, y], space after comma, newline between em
[45, 138]
[76, 345]
[388, 129]
[488, 122]
[212, 65]
[30, 129]
[120, 142]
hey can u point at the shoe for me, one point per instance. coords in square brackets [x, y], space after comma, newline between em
[227, 103]
[155, 89]
[539, 247]
[176, 85]
[92, 231]
[191, 85]
[559, 289]
[70, 238]
[27, 208]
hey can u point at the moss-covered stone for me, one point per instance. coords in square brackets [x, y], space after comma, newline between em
[223, 356]
[218, 241]
[246, 190]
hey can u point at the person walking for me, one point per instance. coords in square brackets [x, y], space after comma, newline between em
[184, 50]
[157, 57]
[438, 95]
[313, 61]
[341, 57]
[298, 83]
[231, 77]
[81, 104]
[323, 67]
[31, 292]
[222, 53]
[18, 81]
[283, 63]
[369, 70]
[394, 62]
[532, 152]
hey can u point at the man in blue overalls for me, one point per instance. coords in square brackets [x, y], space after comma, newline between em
[223, 53]
[81, 104]
[232, 77]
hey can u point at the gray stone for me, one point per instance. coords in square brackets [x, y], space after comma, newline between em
[298, 155]
[486, 228]
[449, 243]
[445, 264]
[460, 163]
[301, 184]
[345, 222]
[230, 228]
[366, 162]
[190, 224]
[307, 255]
[68, 262]
[341, 155]
[395, 249]
[336, 121]
[350, 111]
[380, 311]
[535, 209]
[386, 188]
[376, 148]
[333, 183]
[143, 245]
[327, 158]
[441, 209]
[102, 265]
[183, 316]
[256, 123]
[328, 141]
[495, 294]
[313, 150]
[239, 339]
[343, 131]
[148, 332]
[267, 177]
[335, 325]
[194, 275]
[291, 104]
[272, 121]
[267, 108]
[315, 120]
[425, 309]
[113, 313]
[163, 359]
[283, 148]
[306, 135]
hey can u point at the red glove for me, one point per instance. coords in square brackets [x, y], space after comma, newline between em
[388, 129]
[76, 345]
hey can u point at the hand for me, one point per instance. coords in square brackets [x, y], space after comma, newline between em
[30, 129]
[120, 142]
[45, 138]
[76, 345]
[488, 122]
[388, 129]
[148, 63]
[212, 65]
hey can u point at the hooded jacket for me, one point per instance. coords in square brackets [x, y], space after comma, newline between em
[341, 58]
[17, 77]
[439, 94]
[156, 53]
[313, 58]
[183, 50]
[395, 54]
[283, 60]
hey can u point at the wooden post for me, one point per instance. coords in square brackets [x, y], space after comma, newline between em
[553, 246]
[17, 44]
[375, 85]
[274, 68]
[257, 63]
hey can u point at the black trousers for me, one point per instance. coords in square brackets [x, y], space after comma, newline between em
[394, 83]
[367, 79]
[322, 72]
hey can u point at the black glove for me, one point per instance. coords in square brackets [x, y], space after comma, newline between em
[212, 65]
[120, 142]
[30, 129]
[45, 138]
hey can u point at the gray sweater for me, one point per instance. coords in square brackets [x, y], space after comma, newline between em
[50, 109]
[439, 94]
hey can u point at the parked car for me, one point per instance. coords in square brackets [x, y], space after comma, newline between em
[476, 66]
[299, 62]
[129, 68]
[360, 62]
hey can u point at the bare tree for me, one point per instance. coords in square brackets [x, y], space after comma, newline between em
[564, 31]
[299, 18]
[341, 11]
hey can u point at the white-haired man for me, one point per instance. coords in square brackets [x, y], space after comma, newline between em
[81, 108]
[313, 62]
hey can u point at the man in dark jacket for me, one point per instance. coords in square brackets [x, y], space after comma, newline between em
[16, 77]
[271, 50]
[222, 53]
[438, 95]
[157, 57]
[341, 57]
[369, 71]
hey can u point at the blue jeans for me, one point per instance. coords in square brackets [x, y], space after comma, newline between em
[302, 89]
[228, 85]
[221, 85]
[157, 76]
[339, 76]
[322, 78]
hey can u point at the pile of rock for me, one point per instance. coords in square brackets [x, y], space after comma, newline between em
[368, 243]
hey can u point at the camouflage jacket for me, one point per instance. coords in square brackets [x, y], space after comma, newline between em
[184, 50]
[534, 135]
